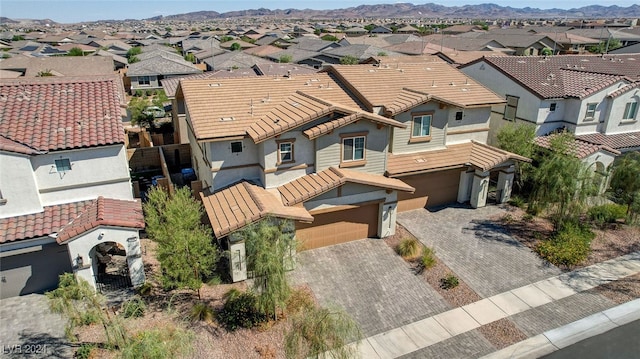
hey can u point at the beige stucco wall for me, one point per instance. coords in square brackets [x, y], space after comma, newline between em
[18, 186]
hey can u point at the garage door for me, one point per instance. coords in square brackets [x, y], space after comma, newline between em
[338, 227]
[33, 272]
[432, 189]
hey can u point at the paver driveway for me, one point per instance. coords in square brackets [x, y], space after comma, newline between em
[29, 330]
[477, 249]
[371, 282]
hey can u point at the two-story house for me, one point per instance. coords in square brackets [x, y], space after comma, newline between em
[595, 97]
[65, 191]
[341, 151]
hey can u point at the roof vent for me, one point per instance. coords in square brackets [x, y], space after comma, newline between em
[452, 83]
[522, 62]
[295, 104]
[215, 85]
[225, 119]
[584, 60]
[420, 160]
[428, 69]
[433, 83]
[372, 70]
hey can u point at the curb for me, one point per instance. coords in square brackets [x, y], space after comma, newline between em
[562, 337]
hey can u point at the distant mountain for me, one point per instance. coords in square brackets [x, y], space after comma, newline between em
[6, 20]
[407, 10]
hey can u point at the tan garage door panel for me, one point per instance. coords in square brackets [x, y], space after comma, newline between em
[338, 227]
[432, 189]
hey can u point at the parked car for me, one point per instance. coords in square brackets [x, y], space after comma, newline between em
[154, 111]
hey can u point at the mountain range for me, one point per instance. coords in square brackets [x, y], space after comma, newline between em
[407, 10]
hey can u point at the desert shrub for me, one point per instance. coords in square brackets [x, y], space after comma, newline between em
[568, 247]
[145, 289]
[449, 282]
[201, 311]
[533, 209]
[516, 201]
[240, 310]
[89, 317]
[84, 351]
[428, 258]
[527, 217]
[134, 307]
[299, 300]
[316, 331]
[607, 213]
[159, 343]
[409, 248]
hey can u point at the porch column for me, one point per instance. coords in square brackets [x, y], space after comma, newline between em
[134, 261]
[505, 184]
[480, 189]
[464, 188]
[237, 261]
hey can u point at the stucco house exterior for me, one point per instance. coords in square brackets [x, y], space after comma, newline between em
[341, 151]
[65, 191]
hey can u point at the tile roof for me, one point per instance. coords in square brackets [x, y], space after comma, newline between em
[40, 224]
[581, 149]
[51, 113]
[315, 184]
[327, 127]
[63, 66]
[170, 85]
[247, 100]
[104, 212]
[437, 79]
[618, 141]
[16, 147]
[566, 75]
[244, 203]
[624, 89]
[70, 219]
[472, 153]
[162, 65]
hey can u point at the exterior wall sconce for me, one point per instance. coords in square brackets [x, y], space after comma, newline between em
[79, 261]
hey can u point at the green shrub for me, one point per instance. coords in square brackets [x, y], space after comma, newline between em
[159, 343]
[516, 201]
[607, 213]
[449, 282]
[201, 311]
[84, 351]
[299, 300]
[527, 217]
[533, 209]
[133, 308]
[240, 310]
[568, 247]
[89, 317]
[409, 248]
[428, 258]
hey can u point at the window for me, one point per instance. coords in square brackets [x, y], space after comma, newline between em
[511, 108]
[285, 151]
[353, 148]
[459, 115]
[591, 111]
[552, 107]
[421, 126]
[144, 81]
[236, 147]
[63, 165]
[630, 111]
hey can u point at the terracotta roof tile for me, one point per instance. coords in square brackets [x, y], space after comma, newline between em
[618, 141]
[13, 146]
[228, 107]
[437, 79]
[581, 149]
[567, 75]
[624, 89]
[472, 153]
[50, 114]
[104, 212]
[244, 203]
[315, 184]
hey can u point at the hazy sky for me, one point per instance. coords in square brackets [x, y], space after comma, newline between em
[89, 10]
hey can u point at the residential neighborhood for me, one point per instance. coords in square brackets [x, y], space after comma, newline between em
[263, 187]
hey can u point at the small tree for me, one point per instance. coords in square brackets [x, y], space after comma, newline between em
[349, 60]
[286, 58]
[137, 107]
[17, 38]
[137, 50]
[329, 38]
[316, 331]
[625, 182]
[519, 140]
[44, 73]
[186, 251]
[75, 51]
[546, 51]
[190, 57]
[268, 244]
[235, 46]
[562, 182]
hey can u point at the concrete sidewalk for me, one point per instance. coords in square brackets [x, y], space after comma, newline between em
[424, 333]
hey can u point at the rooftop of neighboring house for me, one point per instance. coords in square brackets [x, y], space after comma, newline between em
[414, 82]
[68, 220]
[58, 113]
[234, 59]
[567, 75]
[161, 64]
[59, 66]
[580, 148]
[618, 141]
